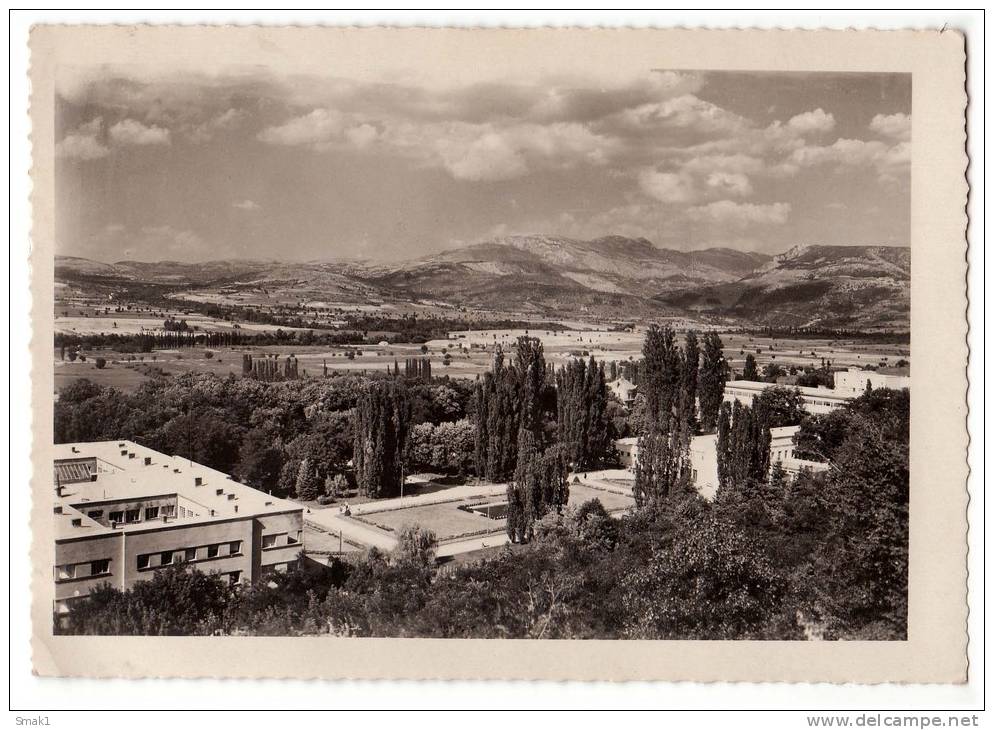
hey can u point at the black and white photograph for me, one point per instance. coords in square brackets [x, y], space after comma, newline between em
[549, 351]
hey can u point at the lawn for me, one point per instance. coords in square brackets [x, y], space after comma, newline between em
[445, 520]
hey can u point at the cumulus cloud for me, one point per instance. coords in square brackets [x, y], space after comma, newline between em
[741, 215]
[813, 122]
[667, 187]
[896, 126]
[246, 205]
[892, 162]
[730, 183]
[361, 135]
[492, 152]
[83, 143]
[225, 121]
[130, 132]
[316, 128]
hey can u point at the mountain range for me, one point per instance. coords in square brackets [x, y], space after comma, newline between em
[614, 276]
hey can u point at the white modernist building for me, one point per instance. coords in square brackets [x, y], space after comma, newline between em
[123, 511]
[704, 457]
[852, 382]
[815, 400]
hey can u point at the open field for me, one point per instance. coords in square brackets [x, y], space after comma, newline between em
[470, 354]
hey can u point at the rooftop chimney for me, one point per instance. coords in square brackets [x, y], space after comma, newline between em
[197, 481]
[58, 509]
[77, 522]
[236, 508]
[131, 454]
[75, 450]
[148, 460]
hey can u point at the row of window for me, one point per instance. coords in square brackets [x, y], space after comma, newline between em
[189, 555]
[131, 516]
[280, 539]
[89, 569]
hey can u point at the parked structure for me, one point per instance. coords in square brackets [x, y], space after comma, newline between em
[123, 510]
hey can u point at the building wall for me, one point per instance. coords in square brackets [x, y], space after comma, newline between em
[81, 553]
[852, 382]
[815, 400]
[704, 465]
[198, 537]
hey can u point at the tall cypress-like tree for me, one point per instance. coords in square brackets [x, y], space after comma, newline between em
[660, 376]
[743, 447]
[382, 418]
[688, 381]
[750, 371]
[662, 471]
[582, 409]
[711, 381]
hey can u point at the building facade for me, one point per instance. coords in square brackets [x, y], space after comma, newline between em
[703, 454]
[814, 400]
[625, 390]
[853, 381]
[123, 511]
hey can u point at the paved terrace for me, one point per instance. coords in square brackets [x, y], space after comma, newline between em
[332, 521]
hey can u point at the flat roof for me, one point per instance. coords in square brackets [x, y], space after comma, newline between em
[122, 474]
[756, 385]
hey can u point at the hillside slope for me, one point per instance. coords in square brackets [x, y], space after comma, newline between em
[864, 287]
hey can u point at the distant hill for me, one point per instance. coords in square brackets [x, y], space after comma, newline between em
[546, 273]
[614, 276]
[814, 286]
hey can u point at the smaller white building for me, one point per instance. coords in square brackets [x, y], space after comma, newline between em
[624, 389]
[852, 382]
[628, 451]
[704, 457]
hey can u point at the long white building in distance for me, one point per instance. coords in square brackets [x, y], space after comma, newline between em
[849, 384]
[123, 511]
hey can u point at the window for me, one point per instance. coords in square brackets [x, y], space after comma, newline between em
[100, 567]
[169, 510]
[117, 516]
[191, 554]
[212, 551]
[151, 513]
[166, 558]
[95, 514]
[65, 572]
[143, 562]
[234, 548]
[234, 576]
[291, 540]
[268, 541]
[133, 515]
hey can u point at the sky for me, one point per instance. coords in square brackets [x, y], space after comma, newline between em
[245, 163]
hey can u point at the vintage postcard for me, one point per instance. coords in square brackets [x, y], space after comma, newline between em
[493, 353]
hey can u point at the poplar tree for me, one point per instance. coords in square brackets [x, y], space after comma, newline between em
[749, 371]
[660, 376]
[382, 418]
[688, 381]
[711, 381]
